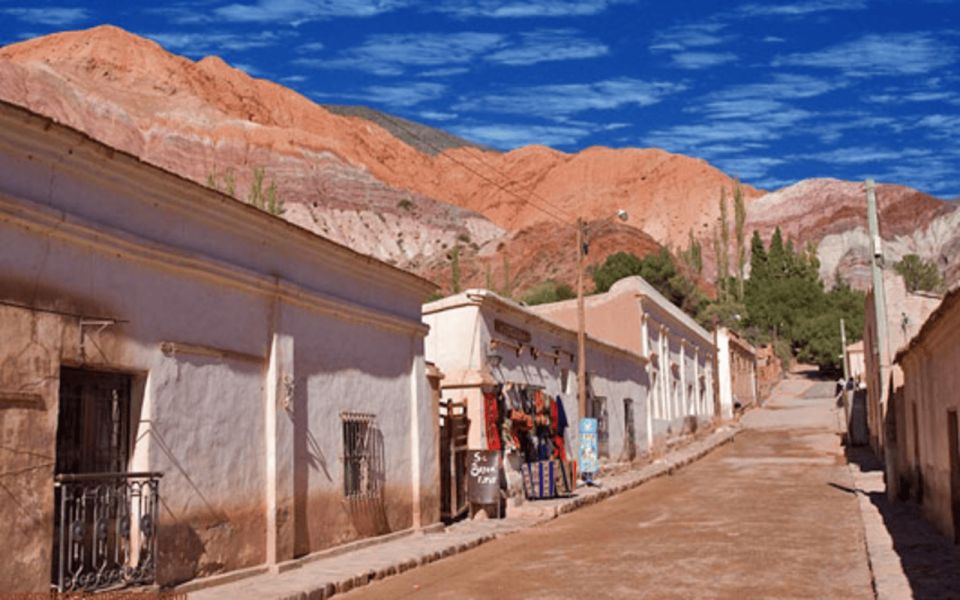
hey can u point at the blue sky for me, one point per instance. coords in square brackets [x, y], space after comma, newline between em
[772, 92]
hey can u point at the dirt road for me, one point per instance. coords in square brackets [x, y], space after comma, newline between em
[768, 516]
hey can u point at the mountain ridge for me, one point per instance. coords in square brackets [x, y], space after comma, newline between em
[345, 175]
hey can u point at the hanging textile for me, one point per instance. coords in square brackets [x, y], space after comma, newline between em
[491, 417]
[559, 427]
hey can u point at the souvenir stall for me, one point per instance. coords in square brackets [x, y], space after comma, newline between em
[528, 426]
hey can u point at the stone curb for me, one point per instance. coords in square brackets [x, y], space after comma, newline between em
[665, 466]
[886, 573]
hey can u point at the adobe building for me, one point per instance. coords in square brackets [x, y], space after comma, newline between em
[681, 355]
[856, 365]
[906, 312]
[736, 373]
[188, 385]
[928, 457]
[493, 349]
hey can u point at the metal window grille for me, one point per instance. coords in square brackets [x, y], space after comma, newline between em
[359, 478]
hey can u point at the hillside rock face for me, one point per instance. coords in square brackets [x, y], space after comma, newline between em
[407, 194]
[832, 214]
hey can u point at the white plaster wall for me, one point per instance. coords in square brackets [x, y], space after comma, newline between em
[186, 276]
[725, 374]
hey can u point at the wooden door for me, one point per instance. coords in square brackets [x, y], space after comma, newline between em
[952, 426]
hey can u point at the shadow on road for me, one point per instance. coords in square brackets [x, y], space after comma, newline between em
[930, 561]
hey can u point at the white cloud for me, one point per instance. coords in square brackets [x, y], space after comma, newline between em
[864, 155]
[296, 12]
[444, 72]
[401, 95]
[311, 47]
[55, 16]
[702, 60]
[773, 39]
[683, 37]
[433, 115]
[451, 53]
[212, 42]
[780, 87]
[509, 136]
[391, 54]
[748, 167]
[521, 8]
[559, 100]
[792, 9]
[548, 45]
[873, 54]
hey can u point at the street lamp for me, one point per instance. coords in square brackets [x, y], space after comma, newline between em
[581, 318]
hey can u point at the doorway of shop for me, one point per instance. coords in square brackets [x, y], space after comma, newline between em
[952, 427]
[630, 431]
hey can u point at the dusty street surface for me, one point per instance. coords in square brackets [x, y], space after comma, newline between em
[768, 516]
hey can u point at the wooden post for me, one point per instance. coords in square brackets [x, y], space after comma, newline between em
[581, 327]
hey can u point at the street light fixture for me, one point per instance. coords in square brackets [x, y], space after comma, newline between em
[581, 318]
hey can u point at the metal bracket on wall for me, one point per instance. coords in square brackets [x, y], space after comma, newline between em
[98, 325]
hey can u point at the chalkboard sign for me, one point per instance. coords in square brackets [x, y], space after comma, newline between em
[483, 476]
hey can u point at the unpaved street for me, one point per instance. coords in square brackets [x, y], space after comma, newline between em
[769, 516]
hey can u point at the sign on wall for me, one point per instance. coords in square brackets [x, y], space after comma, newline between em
[589, 460]
[483, 476]
[512, 331]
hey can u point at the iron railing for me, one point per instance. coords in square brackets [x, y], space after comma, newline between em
[106, 530]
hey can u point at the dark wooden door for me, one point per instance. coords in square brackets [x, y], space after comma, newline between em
[94, 422]
[952, 426]
[93, 427]
[630, 430]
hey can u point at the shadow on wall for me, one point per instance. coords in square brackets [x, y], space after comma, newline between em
[930, 561]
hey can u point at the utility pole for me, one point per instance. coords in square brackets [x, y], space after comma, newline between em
[843, 348]
[581, 316]
[581, 325]
[844, 396]
[881, 352]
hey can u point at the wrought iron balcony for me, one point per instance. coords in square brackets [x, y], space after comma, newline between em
[106, 530]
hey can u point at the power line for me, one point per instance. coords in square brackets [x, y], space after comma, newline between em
[481, 175]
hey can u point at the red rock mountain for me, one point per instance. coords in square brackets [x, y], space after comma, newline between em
[387, 187]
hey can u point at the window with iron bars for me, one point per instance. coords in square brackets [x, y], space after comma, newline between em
[359, 477]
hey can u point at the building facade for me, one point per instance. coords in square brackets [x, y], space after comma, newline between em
[189, 386]
[681, 355]
[486, 344]
[928, 450]
[906, 312]
[736, 373]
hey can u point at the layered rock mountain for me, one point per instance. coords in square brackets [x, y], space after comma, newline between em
[409, 194]
[832, 214]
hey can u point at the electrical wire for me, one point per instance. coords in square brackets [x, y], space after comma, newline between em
[499, 186]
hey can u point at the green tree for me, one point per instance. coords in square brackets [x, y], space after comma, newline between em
[614, 268]
[739, 223]
[693, 255]
[256, 196]
[549, 291]
[658, 269]
[274, 204]
[722, 246]
[229, 184]
[919, 274]
[455, 269]
[507, 289]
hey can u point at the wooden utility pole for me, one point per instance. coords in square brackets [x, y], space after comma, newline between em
[843, 348]
[581, 326]
[844, 395]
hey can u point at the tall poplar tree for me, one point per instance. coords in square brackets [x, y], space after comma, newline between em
[739, 222]
[723, 254]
